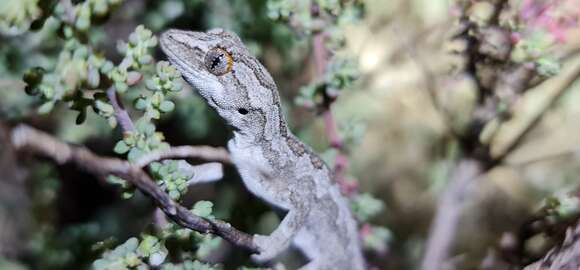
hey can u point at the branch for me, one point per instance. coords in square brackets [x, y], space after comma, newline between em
[321, 56]
[564, 256]
[518, 139]
[449, 208]
[121, 114]
[207, 153]
[552, 156]
[38, 142]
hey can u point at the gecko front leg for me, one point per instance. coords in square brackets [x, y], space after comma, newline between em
[279, 240]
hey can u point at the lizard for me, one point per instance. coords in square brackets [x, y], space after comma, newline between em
[272, 162]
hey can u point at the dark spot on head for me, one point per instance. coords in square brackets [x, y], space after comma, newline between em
[243, 111]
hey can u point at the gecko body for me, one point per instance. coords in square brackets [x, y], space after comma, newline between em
[273, 163]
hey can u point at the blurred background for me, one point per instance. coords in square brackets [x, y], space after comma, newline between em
[391, 93]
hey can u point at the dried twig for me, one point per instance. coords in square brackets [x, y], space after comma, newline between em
[121, 114]
[206, 153]
[38, 142]
[519, 138]
[446, 219]
[321, 57]
[564, 256]
[444, 226]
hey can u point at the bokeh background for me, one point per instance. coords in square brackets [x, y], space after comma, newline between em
[383, 63]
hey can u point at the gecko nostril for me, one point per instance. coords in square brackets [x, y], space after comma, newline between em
[242, 111]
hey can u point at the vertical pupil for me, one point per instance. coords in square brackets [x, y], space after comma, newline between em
[216, 61]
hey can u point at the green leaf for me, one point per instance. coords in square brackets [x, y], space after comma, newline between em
[174, 194]
[155, 166]
[140, 104]
[148, 245]
[208, 245]
[121, 148]
[378, 238]
[135, 154]
[365, 206]
[203, 209]
[166, 106]
[548, 66]
[155, 114]
[46, 107]
[81, 117]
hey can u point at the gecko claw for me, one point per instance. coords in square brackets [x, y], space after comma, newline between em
[267, 247]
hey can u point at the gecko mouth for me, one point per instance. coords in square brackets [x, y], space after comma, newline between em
[187, 59]
[181, 53]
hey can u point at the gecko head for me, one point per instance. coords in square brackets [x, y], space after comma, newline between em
[223, 71]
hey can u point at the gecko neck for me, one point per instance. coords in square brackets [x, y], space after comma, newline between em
[274, 132]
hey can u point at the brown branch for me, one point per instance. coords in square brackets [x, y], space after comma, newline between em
[121, 114]
[552, 156]
[564, 256]
[321, 56]
[206, 153]
[38, 142]
[449, 208]
[518, 139]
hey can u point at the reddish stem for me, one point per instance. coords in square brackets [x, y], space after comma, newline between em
[321, 56]
[331, 130]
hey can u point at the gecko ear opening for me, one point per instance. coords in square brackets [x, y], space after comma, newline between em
[242, 111]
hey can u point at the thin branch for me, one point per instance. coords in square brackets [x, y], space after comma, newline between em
[449, 208]
[552, 156]
[444, 227]
[330, 128]
[203, 173]
[121, 114]
[38, 142]
[518, 139]
[321, 56]
[564, 256]
[206, 153]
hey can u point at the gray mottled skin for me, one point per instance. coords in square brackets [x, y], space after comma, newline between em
[273, 163]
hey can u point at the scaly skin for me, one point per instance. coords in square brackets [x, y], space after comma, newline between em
[273, 163]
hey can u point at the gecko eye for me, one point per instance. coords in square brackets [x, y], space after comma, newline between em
[242, 111]
[218, 61]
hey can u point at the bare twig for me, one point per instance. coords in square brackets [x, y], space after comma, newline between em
[206, 153]
[564, 256]
[202, 173]
[321, 56]
[449, 208]
[121, 114]
[479, 159]
[552, 156]
[25, 137]
[519, 138]
[447, 217]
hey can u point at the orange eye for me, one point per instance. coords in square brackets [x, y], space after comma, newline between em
[218, 61]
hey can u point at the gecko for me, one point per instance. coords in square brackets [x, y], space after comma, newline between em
[272, 162]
